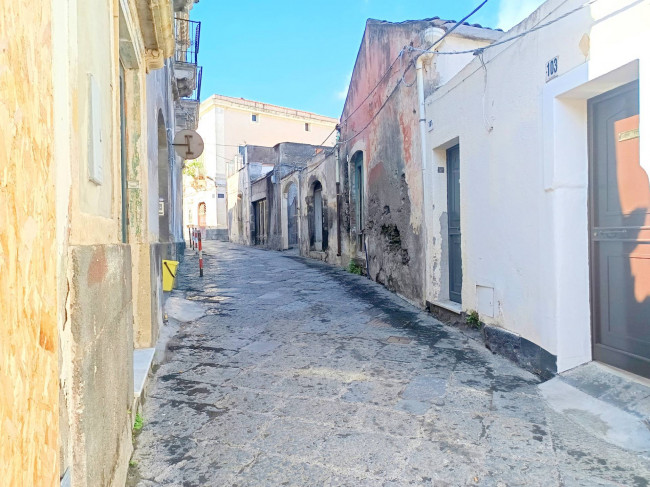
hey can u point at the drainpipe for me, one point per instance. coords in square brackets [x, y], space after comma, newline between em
[436, 35]
[338, 194]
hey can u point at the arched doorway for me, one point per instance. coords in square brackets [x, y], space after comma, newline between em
[317, 218]
[164, 206]
[202, 210]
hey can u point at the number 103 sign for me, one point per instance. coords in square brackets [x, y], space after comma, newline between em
[551, 69]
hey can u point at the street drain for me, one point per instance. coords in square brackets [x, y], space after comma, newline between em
[399, 340]
[379, 323]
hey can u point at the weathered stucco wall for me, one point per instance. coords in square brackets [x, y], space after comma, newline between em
[391, 157]
[101, 321]
[382, 125]
[28, 329]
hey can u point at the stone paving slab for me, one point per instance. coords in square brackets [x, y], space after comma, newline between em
[291, 372]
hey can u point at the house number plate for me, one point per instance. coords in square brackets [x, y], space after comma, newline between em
[551, 69]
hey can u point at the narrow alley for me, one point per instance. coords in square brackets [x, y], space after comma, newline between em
[280, 370]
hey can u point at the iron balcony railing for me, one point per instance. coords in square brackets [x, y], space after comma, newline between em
[197, 92]
[187, 34]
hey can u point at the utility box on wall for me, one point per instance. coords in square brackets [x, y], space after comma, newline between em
[485, 301]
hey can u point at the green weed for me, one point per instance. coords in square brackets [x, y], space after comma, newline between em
[473, 320]
[139, 422]
[354, 268]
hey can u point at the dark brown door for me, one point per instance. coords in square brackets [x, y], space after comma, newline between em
[620, 233]
[453, 224]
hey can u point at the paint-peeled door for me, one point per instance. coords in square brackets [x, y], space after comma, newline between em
[620, 235]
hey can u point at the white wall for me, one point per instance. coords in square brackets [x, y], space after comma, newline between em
[523, 150]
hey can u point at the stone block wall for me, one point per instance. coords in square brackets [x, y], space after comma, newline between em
[101, 320]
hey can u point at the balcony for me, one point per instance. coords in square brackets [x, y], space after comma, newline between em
[187, 34]
[187, 107]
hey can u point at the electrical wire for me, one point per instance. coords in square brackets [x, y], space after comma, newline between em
[460, 22]
[390, 68]
[401, 80]
[397, 85]
[481, 50]
[488, 126]
[509, 39]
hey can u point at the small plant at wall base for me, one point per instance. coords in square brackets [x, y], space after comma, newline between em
[472, 320]
[137, 426]
[354, 268]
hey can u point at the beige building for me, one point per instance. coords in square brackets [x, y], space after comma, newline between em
[227, 125]
[91, 97]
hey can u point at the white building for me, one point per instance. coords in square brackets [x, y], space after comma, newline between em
[540, 135]
[227, 125]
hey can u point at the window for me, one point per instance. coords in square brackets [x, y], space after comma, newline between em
[254, 117]
[307, 128]
[221, 195]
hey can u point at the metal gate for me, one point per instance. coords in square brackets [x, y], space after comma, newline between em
[620, 233]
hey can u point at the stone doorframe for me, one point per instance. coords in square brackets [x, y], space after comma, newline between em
[284, 212]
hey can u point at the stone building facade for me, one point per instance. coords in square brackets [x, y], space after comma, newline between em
[259, 199]
[92, 104]
[227, 125]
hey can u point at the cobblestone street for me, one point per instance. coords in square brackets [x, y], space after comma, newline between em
[285, 371]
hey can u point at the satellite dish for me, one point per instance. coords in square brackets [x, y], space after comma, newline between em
[188, 144]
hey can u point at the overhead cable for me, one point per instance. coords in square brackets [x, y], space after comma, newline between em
[509, 39]
[401, 80]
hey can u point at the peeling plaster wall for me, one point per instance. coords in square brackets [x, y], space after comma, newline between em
[29, 339]
[385, 129]
[392, 167]
[524, 169]
[145, 324]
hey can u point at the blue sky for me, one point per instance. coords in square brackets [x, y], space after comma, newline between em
[300, 53]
